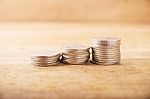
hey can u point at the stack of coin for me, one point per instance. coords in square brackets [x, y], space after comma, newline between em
[45, 58]
[106, 51]
[75, 54]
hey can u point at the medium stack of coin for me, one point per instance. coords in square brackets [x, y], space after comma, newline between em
[106, 51]
[75, 54]
[45, 58]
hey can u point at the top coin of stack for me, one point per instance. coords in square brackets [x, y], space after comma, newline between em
[75, 54]
[106, 51]
[45, 58]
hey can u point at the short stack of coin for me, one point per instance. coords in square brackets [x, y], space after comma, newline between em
[75, 54]
[106, 51]
[45, 58]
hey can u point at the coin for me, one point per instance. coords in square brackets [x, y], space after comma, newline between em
[106, 50]
[75, 54]
[45, 58]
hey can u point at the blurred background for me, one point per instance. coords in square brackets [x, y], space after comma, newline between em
[120, 11]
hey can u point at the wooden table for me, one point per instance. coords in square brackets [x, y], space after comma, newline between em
[20, 80]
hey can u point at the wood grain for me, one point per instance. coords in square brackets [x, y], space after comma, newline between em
[20, 80]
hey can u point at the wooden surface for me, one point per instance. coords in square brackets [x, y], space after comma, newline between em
[20, 80]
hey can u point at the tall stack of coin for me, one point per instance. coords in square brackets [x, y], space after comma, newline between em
[75, 54]
[45, 58]
[106, 51]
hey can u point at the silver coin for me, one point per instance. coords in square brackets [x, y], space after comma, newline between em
[106, 54]
[45, 62]
[83, 59]
[106, 51]
[44, 65]
[75, 61]
[45, 58]
[109, 48]
[106, 47]
[101, 63]
[106, 60]
[109, 57]
[75, 54]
